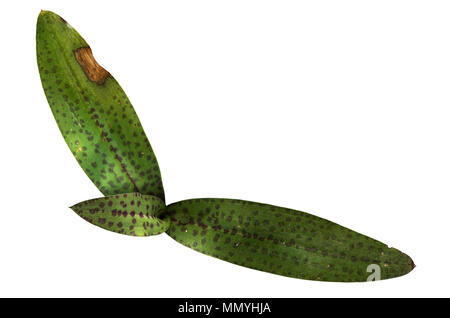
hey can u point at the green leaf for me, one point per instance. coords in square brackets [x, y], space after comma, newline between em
[281, 241]
[129, 213]
[93, 113]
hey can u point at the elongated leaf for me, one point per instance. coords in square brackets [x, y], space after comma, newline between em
[130, 213]
[93, 113]
[282, 241]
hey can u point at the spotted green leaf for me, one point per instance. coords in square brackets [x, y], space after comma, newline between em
[129, 213]
[93, 113]
[281, 241]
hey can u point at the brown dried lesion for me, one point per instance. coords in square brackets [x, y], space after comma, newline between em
[94, 71]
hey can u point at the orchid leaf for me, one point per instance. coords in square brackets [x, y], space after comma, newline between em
[281, 241]
[93, 113]
[130, 213]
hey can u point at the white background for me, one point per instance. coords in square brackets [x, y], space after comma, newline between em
[337, 108]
